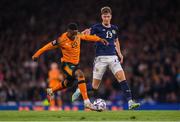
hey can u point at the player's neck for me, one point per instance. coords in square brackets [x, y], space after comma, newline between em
[70, 37]
[106, 25]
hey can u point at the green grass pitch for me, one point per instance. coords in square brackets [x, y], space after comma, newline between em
[89, 116]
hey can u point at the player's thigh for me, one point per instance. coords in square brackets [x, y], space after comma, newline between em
[68, 70]
[117, 70]
[98, 72]
[99, 69]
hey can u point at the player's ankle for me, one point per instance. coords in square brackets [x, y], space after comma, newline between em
[87, 101]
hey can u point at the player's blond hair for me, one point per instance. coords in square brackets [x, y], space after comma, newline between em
[105, 10]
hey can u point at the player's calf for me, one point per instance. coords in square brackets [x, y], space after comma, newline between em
[126, 90]
[95, 86]
[82, 84]
[59, 86]
[83, 89]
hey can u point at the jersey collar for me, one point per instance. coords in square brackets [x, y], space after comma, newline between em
[106, 26]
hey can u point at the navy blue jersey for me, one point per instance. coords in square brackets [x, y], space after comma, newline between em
[110, 34]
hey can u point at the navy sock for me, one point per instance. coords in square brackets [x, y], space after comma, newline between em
[126, 90]
[95, 93]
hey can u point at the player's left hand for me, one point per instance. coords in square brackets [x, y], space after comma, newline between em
[121, 57]
[104, 41]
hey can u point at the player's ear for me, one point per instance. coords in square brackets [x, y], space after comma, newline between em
[101, 16]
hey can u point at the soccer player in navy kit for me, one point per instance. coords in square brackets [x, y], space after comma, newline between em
[107, 56]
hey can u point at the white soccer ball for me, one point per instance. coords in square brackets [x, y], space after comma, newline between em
[100, 104]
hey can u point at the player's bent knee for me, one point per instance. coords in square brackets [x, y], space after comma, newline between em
[79, 75]
[95, 84]
[67, 83]
[120, 76]
[95, 87]
[70, 83]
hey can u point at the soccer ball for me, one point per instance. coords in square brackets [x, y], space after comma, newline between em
[100, 104]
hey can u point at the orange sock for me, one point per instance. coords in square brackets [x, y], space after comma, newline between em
[59, 86]
[83, 89]
[52, 102]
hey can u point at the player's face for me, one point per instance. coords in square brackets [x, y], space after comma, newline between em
[54, 66]
[106, 18]
[72, 34]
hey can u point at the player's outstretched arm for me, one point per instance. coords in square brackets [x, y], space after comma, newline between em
[118, 50]
[45, 48]
[94, 38]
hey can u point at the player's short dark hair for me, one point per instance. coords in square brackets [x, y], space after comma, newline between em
[105, 10]
[72, 26]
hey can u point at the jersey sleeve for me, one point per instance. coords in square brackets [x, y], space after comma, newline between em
[57, 42]
[51, 45]
[89, 37]
[45, 48]
[93, 30]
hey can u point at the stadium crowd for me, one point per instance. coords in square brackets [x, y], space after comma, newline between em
[149, 37]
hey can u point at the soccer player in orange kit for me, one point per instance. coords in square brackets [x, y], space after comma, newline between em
[69, 43]
[54, 77]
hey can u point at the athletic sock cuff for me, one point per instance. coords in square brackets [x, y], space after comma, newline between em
[81, 81]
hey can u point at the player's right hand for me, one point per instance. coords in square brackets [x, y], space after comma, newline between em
[34, 58]
[121, 57]
[86, 31]
[104, 41]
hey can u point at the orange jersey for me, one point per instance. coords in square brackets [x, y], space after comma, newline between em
[71, 48]
[54, 74]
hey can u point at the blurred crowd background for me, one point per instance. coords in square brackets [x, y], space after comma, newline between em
[149, 37]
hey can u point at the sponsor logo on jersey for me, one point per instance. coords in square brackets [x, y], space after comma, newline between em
[113, 31]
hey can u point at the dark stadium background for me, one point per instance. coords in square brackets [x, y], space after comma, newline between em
[150, 40]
